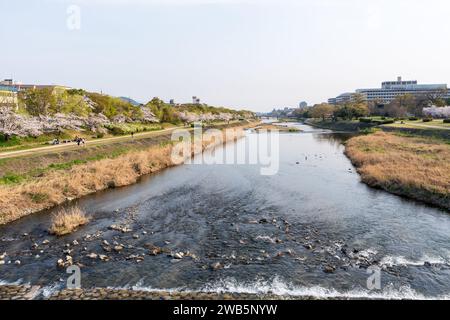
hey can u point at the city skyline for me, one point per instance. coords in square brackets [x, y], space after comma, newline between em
[244, 54]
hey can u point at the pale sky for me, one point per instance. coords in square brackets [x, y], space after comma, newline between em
[254, 54]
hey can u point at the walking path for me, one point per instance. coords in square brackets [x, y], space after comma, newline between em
[73, 145]
[428, 126]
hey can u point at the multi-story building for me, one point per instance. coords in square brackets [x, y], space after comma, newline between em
[8, 96]
[9, 91]
[343, 98]
[8, 83]
[392, 89]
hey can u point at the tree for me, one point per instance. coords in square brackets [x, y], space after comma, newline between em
[8, 124]
[323, 110]
[402, 106]
[166, 112]
[168, 115]
[376, 108]
[437, 112]
[352, 110]
[358, 99]
[38, 101]
[437, 97]
[302, 113]
[112, 107]
[421, 102]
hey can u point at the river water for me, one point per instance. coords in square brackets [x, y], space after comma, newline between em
[311, 229]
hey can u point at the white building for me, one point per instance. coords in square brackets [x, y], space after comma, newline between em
[195, 100]
[343, 98]
[8, 97]
[391, 89]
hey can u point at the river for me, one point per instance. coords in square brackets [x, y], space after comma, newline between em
[313, 229]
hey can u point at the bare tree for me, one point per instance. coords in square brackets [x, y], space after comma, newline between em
[437, 97]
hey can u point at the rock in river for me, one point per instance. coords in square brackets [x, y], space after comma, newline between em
[329, 269]
[216, 266]
[118, 248]
[178, 255]
[123, 229]
[92, 255]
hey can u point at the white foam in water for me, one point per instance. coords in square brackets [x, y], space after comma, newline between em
[46, 291]
[266, 238]
[278, 287]
[391, 261]
[49, 290]
[274, 287]
[368, 253]
[141, 287]
[7, 283]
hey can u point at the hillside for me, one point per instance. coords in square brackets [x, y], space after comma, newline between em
[46, 114]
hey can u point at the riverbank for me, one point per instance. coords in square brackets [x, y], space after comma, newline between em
[345, 126]
[357, 126]
[27, 292]
[410, 166]
[85, 171]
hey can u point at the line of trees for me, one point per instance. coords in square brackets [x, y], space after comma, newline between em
[402, 106]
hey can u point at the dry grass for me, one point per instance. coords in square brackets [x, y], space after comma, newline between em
[418, 168]
[67, 221]
[59, 186]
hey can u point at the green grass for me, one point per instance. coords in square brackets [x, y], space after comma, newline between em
[419, 124]
[38, 197]
[13, 141]
[369, 130]
[129, 128]
[11, 179]
[22, 143]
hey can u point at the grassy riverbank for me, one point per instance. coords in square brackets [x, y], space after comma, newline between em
[440, 132]
[411, 166]
[44, 182]
[352, 126]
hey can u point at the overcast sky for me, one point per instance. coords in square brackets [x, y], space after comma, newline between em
[255, 54]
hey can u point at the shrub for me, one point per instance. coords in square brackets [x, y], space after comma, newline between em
[365, 120]
[67, 221]
[413, 119]
[116, 130]
[380, 122]
[8, 141]
[427, 119]
[447, 120]
[38, 197]
[367, 131]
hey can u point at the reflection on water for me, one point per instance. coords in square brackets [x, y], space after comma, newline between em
[313, 228]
